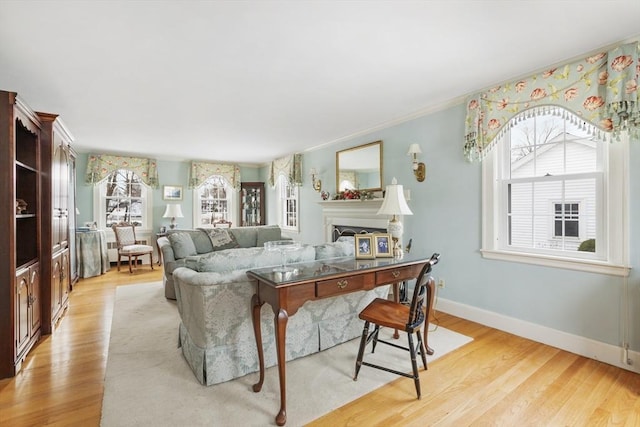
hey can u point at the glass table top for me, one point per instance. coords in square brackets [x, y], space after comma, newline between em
[324, 269]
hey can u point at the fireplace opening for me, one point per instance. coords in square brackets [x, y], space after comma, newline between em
[350, 230]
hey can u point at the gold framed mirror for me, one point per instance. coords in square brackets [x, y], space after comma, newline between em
[359, 168]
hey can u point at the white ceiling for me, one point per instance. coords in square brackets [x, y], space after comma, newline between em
[251, 81]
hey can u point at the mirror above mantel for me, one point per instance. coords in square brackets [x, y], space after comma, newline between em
[360, 168]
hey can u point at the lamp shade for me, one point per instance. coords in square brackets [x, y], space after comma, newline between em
[173, 211]
[394, 202]
[414, 149]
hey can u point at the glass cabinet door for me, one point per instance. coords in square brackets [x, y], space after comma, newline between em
[252, 204]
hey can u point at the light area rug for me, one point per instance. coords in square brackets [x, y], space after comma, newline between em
[148, 382]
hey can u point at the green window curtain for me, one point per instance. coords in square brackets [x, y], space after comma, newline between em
[290, 166]
[201, 171]
[99, 166]
[601, 89]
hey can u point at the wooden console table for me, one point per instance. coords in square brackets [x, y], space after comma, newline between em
[288, 291]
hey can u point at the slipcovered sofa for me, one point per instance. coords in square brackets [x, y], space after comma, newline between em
[180, 244]
[214, 301]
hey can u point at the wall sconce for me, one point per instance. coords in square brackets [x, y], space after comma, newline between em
[315, 182]
[419, 169]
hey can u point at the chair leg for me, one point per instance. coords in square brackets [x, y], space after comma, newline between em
[414, 365]
[151, 260]
[118, 262]
[363, 343]
[375, 338]
[130, 269]
[423, 350]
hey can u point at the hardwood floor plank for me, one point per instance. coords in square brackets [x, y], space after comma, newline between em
[497, 380]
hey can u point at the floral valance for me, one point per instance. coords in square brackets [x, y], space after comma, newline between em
[201, 171]
[99, 166]
[602, 89]
[290, 166]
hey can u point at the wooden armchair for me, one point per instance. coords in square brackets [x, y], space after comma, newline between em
[128, 246]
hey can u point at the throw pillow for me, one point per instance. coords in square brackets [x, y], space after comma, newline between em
[182, 245]
[222, 239]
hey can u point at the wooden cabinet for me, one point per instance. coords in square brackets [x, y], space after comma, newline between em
[252, 204]
[27, 310]
[21, 196]
[60, 184]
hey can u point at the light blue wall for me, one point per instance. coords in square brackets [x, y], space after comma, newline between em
[447, 219]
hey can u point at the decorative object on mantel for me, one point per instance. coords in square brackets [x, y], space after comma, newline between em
[316, 183]
[419, 169]
[395, 204]
[325, 195]
[21, 206]
[353, 195]
[173, 211]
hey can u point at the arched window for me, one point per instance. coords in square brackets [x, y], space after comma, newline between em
[214, 201]
[553, 194]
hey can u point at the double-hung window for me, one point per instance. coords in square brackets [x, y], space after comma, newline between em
[289, 214]
[554, 194]
[214, 202]
[122, 196]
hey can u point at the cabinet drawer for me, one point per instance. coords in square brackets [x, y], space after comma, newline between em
[396, 275]
[327, 288]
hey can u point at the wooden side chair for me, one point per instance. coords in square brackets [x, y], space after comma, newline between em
[394, 315]
[128, 246]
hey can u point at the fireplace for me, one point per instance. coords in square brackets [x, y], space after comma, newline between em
[349, 230]
[351, 216]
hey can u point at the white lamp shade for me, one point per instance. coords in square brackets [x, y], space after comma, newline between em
[414, 149]
[394, 202]
[173, 211]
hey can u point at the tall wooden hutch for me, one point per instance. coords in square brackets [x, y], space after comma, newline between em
[28, 296]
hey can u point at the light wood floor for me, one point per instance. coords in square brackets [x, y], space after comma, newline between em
[497, 380]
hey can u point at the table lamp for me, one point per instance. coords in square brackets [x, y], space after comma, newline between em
[173, 211]
[395, 204]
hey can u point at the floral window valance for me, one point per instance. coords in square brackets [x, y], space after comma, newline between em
[99, 166]
[602, 89]
[201, 171]
[290, 166]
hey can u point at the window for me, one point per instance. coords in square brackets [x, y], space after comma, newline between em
[122, 196]
[566, 221]
[549, 185]
[288, 204]
[213, 202]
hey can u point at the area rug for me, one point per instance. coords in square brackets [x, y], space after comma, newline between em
[148, 382]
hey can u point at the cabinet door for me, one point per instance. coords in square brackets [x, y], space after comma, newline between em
[63, 202]
[65, 278]
[56, 179]
[56, 273]
[34, 300]
[252, 204]
[22, 310]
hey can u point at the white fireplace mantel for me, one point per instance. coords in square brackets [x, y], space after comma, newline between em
[356, 213]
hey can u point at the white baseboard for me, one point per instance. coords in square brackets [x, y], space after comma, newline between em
[582, 346]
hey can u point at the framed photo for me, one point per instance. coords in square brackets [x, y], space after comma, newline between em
[172, 192]
[365, 248]
[383, 245]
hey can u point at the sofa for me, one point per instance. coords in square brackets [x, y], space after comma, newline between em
[213, 296]
[180, 244]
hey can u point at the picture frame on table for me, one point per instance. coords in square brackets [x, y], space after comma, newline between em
[172, 192]
[365, 248]
[383, 245]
